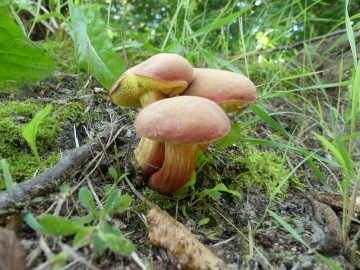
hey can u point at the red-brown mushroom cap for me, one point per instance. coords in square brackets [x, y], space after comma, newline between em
[183, 120]
[165, 73]
[228, 89]
[181, 123]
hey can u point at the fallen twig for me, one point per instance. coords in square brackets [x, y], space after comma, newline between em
[74, 161]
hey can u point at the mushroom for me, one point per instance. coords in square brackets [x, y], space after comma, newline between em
[181, 123]
[232, 91]
[162, 75]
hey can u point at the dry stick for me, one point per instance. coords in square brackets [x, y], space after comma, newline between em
[20, 196]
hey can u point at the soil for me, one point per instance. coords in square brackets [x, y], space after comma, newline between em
[238, 230]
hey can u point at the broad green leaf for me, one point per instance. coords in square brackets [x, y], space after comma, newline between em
[111, 201]
[30, 130]
[20, 58]
[83, 220]
[215, 191]
[203, 221]
[83, 237]
[117, 243]
[94, 47]
[231, 138]
[59, 226]
[124, 203]
[64, 188]
[99, 245]
[86, 200]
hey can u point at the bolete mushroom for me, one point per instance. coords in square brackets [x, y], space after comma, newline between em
[181, 123]
[162, 75]
[230, 90]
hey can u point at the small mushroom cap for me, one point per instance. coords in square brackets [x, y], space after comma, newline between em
[167, 73]
[183, 120]
[228, 89]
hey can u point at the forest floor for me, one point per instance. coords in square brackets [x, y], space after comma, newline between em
[240, 229]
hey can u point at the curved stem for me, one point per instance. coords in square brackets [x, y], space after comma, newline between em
[151, 97]
[177, 168]
[150, 155]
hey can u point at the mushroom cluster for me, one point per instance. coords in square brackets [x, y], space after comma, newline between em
[182, 108]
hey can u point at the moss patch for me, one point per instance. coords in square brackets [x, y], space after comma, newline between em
[261, 169]
[14, 115]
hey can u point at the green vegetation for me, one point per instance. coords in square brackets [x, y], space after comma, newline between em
[13, 117]
[302, 133]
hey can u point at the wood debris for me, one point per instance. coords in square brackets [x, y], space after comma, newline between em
[12, 253]
[181, 244]
[333, 241]
[335, 201]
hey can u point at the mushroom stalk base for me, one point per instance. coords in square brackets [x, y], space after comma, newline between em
[150, 155]
[178, 166]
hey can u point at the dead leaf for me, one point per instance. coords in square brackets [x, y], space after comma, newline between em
[336, 201]
[12, 253]
[167, 233]
[333, 241]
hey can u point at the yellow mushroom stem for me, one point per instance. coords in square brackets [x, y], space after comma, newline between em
[150, 155]
[150, 97]
[178, 166]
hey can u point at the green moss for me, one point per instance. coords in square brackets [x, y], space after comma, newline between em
[261, 169]
[14, 115]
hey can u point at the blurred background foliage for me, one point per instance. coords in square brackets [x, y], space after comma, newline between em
[154, 24]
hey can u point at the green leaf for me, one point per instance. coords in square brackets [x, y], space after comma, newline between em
[231, 138]
[99, 245]
[30, 130]
[20, 58]
[94, 47]
[219, 23]
[111, 201]
[117, 243]
[83, 237]
[64, 188]
[124, 203]
[215, 191]
[113, 172]
[31, 221]
[335, 152]
[59, 226]
[261, 112]
[83, 220]
[7, 176]
[203, 221]
[86, 200]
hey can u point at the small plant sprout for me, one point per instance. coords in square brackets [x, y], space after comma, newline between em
[97, 230]
[30, 130]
